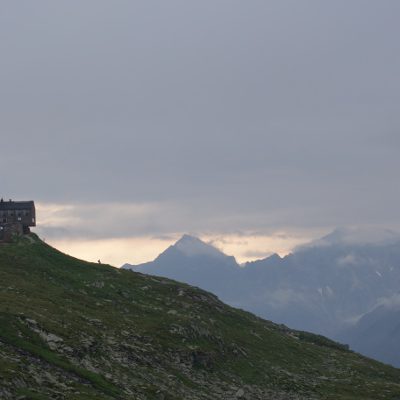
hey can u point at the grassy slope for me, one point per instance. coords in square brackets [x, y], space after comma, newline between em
[120, 334]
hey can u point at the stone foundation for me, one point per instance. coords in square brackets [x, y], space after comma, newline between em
[7, 231]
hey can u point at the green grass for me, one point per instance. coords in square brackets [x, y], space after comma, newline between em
[127, 335]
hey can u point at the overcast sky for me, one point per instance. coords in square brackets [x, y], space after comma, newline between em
[223, 118]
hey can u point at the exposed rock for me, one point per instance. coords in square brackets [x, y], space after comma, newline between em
[145, 338]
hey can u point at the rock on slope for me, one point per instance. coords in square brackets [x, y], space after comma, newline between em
[75, 330]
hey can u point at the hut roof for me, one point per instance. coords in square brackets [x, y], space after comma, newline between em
[16, 205]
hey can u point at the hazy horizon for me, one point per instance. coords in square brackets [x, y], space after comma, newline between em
[257, 125]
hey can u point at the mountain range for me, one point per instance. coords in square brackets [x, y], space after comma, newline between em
[73, 330]
[332, 286]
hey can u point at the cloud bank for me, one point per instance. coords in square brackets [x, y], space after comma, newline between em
[152, 118]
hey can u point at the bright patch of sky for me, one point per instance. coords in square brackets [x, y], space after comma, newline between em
[226, 119]
[117, 233]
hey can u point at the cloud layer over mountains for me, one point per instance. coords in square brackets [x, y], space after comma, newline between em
[226, 115]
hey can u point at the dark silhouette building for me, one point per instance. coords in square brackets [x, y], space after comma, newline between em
[16, 218]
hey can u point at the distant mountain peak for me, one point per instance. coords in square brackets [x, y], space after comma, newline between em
[356, 236]
[192, 246]
[186, 238]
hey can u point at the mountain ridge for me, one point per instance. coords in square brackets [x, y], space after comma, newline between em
[77, 330]
[323, 287]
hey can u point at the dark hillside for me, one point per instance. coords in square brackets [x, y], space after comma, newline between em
[76, 330]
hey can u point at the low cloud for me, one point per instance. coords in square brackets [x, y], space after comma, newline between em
[156, 225]
[356, 235]
[349, 259]
[137, 232]
[392, 302]
[101, 220]
[161, 220]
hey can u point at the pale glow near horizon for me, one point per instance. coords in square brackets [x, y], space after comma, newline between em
[74, 229]
[113, 251]
[136, 250]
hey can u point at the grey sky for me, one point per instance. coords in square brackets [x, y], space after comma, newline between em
[229, 115]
